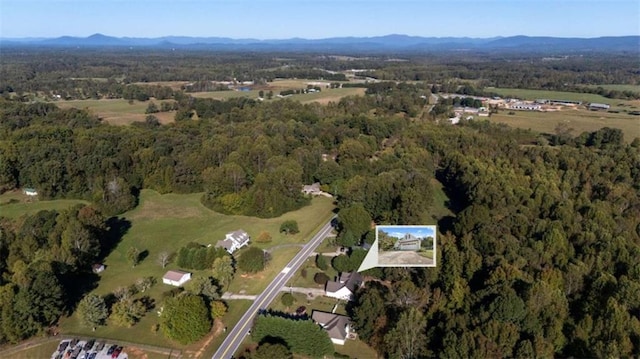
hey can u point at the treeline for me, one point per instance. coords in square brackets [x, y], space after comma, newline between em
[533, 71]
[42, 258]
[249, 157]
[199, 257]
[539, 260]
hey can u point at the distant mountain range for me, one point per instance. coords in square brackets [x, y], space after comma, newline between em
[378, 43]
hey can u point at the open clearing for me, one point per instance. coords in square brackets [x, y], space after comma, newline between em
[526, 94]
[579, 120]
[167, 223]
[119, 111]
[15, 204]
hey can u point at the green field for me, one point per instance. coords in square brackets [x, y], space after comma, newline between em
[40, 349]
[579, 120]
[526, 94]
[325, 96]
[356, 349]
[118, 111]
[15, 204]
[619, 87]
[439, 207]
[167, 223]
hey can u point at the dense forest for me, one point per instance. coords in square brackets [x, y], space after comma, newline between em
[95, 73]
[538, 260]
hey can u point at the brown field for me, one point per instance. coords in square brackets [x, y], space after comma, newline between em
[579, 120]
[118, 111]
[175, 85]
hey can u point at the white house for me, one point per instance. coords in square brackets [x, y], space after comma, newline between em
[234, 241]
[337, 326]
[344, 287]
[30, 192]
[408, 243]
[176, 278]
[312, 189]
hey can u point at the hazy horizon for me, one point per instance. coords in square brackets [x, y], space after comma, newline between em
[280, 19]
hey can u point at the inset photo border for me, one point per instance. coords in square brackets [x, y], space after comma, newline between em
[406, 246]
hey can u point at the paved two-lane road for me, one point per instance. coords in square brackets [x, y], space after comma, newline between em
[235, 337]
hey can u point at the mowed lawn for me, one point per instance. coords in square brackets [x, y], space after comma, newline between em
[165, 223]
[579, 120]
[15, 204]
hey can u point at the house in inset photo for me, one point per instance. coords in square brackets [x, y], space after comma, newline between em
[407, 243]
[234, 241]
[406, 246]
[176, 278]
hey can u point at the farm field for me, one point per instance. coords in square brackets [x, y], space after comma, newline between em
[121, 112]
[167, 223]
[526, 94]
[619, 87]
[325, 96]
[118, 111]
[579, 120]
[15, 204]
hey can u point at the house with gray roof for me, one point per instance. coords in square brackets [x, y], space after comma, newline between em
[344, 286]
[234, 241]
[337, 326]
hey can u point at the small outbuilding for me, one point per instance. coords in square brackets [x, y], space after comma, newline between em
[176, 278]
[97, 268]
[30, 192]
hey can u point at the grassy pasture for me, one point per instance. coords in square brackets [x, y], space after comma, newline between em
[619, 87]
[579, 120]
[118, 111]
[121, 112]
[15, 204]
[527, 94]
[167, 223]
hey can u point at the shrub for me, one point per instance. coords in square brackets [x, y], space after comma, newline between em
[287, 299]
[185, 319]
[321, 278]
[321, 262]
[289, 227]
[251, 260]
[264, 237]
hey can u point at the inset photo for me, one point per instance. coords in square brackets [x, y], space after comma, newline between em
[406, 246]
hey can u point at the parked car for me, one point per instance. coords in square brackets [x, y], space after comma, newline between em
[116, 353]
[73, 342]
[63, 346]
[92, 355]
[89, 345]
[100, 346]
[111, 349]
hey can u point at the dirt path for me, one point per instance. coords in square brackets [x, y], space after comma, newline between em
[403, 258]
[218, 326]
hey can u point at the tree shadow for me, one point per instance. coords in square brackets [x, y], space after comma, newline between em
[118, 227]
[274, 340]
[143, 255]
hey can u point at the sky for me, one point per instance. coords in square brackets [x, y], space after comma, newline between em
[280, 19]
[417, 231]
